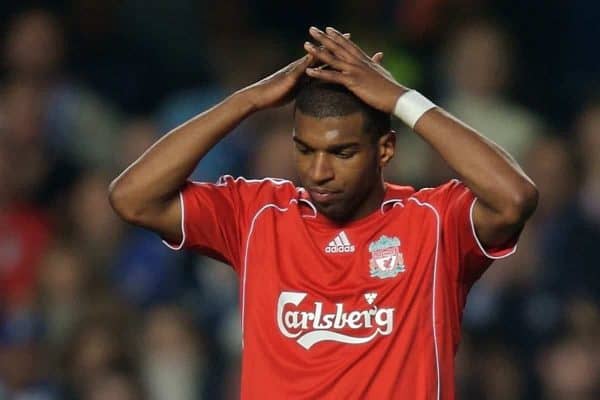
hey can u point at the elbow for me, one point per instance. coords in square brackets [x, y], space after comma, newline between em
[121, 202]
[523, 203]
[528, 199]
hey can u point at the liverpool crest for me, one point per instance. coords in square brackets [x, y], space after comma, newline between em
[386, 259]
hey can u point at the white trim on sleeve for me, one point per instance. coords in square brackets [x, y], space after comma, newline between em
[434, 288]
[245, 270]
[488, 255]
[180, 245]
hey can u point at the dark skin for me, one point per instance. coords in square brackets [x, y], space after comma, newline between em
[507, 196]
[146, 193]
[340, 164]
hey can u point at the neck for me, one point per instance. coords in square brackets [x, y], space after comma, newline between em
[373, 200]
[369, 204]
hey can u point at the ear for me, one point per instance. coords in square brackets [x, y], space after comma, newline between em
[387, 147]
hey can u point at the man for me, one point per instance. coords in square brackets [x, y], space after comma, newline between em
[350, 287]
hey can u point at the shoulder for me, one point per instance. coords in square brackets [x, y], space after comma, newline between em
[446, 198]
[435, 194]
[399, 191]
[259, 190]
[442, 192]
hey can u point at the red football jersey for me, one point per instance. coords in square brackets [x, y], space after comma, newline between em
[367, 310]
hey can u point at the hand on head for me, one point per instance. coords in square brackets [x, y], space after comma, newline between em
[334, 58]
[350, 66]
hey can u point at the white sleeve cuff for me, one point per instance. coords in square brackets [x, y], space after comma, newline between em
[496, 254]
[179, 246]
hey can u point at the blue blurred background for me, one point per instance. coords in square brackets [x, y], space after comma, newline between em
[93, 309]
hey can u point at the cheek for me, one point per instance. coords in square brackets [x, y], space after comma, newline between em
[359, 174]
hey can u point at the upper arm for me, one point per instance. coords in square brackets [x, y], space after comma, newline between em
[201, 216]
[168, 222]
[213, 218]
[163, 217]
[494, 229]
[472, 236]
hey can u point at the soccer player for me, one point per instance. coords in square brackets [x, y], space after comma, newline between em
[350, 287]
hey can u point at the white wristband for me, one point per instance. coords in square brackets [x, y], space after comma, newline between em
[411, 106]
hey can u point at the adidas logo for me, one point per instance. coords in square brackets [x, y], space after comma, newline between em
[340, 244]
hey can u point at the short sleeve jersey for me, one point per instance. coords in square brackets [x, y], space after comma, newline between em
[367, 310]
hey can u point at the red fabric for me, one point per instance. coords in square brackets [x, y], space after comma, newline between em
[318, 324]
[24, 235]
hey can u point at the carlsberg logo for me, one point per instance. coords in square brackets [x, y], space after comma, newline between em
[312, 327]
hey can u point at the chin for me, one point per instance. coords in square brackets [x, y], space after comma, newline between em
[335, 212]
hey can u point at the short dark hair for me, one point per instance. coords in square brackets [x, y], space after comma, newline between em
[322, 99]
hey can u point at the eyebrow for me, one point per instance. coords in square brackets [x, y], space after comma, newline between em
[332, 148]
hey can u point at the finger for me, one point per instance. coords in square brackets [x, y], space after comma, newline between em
[377, 57]
[317, 62]
[314, 62]
[330, 44]
[349, 45]
[308, 61]
[297, 67]
[326, 56]
[328, 75]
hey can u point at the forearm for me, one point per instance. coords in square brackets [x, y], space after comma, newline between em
[156, 175]
[489, 171]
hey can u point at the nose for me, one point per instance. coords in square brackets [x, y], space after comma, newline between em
[321, 170]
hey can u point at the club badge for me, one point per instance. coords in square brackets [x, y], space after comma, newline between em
[386, 259]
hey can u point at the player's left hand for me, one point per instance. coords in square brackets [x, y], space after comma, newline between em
[353, 68]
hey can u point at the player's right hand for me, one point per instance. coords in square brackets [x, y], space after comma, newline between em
[276, 90]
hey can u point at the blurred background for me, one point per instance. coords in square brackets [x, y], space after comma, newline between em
[93, 309]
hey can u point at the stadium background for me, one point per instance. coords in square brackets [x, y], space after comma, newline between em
[93, 309]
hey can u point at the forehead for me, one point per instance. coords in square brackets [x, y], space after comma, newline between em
[329, 130]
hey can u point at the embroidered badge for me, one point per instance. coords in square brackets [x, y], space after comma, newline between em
[386, 259]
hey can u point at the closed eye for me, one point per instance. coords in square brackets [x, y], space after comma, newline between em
[345, 154]
[303, 149]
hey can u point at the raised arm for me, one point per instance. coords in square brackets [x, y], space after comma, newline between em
[146, 192]
[507, 197]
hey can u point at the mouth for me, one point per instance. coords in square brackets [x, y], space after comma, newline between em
[323, 195]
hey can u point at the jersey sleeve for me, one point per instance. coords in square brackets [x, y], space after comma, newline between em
[216, 217]
[462, 248]
[210, 219]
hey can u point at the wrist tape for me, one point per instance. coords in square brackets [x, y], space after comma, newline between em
[411, 106]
